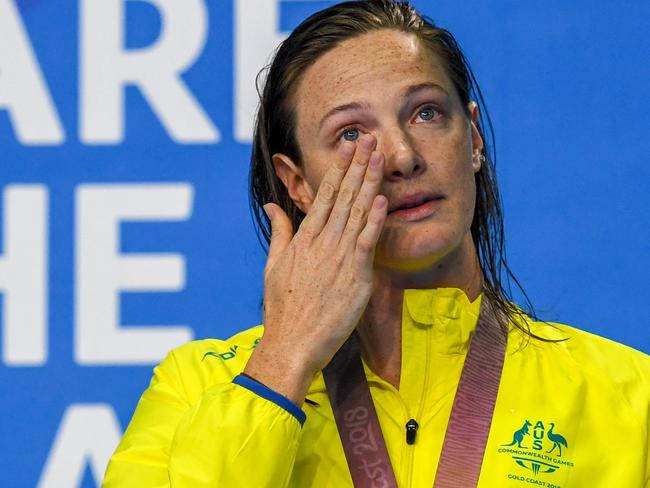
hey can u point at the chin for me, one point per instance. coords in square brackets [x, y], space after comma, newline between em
[418, 251]
[413, 258]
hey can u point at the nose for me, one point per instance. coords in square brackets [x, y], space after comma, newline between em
[402, 160]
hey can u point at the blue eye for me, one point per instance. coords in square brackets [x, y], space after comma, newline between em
[351, 134]
[428, 113]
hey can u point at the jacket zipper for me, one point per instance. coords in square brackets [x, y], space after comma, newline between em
[411, 431]
[410, 447]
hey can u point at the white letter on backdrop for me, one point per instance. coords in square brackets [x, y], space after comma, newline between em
[86, 433]
[23, 275]
[23, 91]
[102, 272]
[106, 69]
[257, 36]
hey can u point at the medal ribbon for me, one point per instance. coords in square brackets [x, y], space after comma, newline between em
[469, 423]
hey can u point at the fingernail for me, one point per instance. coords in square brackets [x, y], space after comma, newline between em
[268, 210]
[375, 159]
[381, 201]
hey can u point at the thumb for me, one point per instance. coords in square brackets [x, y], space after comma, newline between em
[281, 232]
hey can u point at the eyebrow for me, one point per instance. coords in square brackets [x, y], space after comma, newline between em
[412, 90]
[409, 92]
[342, 108]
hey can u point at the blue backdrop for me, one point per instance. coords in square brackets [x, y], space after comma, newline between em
[124, 222]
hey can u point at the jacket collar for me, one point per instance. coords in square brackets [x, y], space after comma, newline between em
[447, 312]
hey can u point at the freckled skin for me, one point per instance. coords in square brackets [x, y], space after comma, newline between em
[374, 69]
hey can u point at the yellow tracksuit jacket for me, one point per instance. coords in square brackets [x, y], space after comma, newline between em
[573, 414]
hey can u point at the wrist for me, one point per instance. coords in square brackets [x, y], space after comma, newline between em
[280, 371]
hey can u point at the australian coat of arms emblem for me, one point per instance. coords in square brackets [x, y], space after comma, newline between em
[538, 447]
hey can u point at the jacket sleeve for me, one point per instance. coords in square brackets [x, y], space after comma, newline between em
[235, 432]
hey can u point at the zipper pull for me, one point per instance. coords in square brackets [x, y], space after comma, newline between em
[411, 430]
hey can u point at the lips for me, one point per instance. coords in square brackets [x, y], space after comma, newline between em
[415, 207]
[412, 201]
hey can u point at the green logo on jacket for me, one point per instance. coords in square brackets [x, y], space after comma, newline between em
[539, 449]
[231, 352]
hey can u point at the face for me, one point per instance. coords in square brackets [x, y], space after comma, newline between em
[387, 84]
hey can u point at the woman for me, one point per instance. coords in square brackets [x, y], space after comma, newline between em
[390, 354]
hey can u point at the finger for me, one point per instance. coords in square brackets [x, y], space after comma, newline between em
[363, 203]
[364, 254]
[281, 233]
[319, 212]
[349, 190]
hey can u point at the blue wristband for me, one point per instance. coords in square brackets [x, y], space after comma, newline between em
[271, 395]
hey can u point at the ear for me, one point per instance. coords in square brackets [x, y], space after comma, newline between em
[294, 180]
[477, 140]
